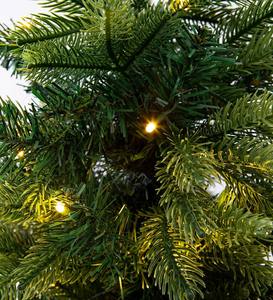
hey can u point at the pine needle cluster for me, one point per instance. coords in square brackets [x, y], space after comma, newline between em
[95, 207]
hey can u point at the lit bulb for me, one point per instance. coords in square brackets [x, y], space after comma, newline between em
[20, 154]
[150, 127]
[60, 207]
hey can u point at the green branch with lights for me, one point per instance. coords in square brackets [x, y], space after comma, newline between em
[105, 185]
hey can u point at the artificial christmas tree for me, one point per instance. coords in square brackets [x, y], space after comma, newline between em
[104, 186]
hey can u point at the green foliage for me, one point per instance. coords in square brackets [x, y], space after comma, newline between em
[252, 111]
[243, 150]
[173, 263]
[248, 19]
[258, 52]
[67, 6]
[237, 247]
[139, 220]
[188, 165]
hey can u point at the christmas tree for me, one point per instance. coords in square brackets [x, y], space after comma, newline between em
[105, 186]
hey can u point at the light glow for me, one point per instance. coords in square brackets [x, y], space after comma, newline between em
[151, 127]
[60, 207]
[25, 23]
[20, 154]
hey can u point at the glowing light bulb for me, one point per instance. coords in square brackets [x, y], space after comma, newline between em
[151, 127]
[60, 207]
[20, 154]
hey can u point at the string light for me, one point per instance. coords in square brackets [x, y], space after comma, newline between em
[60, 207]
[150, 127]
[20, 154]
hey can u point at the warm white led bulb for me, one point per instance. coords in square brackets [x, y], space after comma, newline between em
[150, 127]
[20, 154]
[60, 207]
